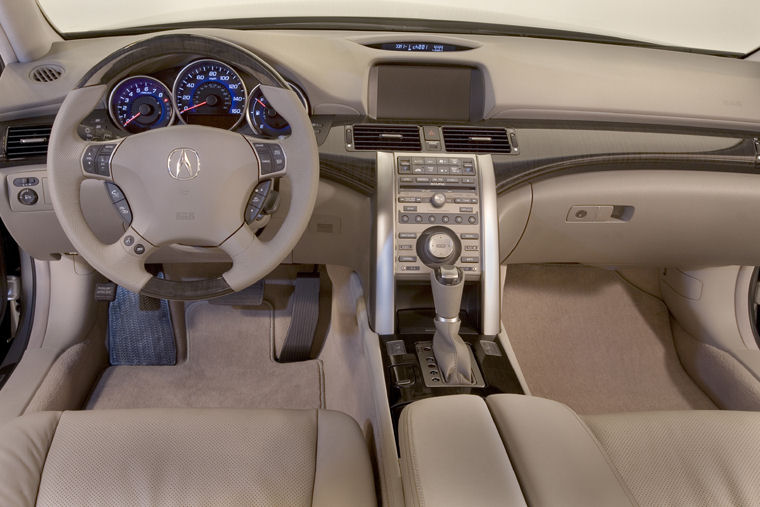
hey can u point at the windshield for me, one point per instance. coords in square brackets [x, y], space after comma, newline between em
[730, 26]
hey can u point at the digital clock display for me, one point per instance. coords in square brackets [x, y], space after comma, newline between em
[426, 47]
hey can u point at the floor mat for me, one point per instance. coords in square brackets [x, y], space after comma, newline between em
[584, 337]
[139, 336]
[229, 364]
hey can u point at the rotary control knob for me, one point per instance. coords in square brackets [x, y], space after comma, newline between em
[438, 200]
[440, 245]
[437, 246]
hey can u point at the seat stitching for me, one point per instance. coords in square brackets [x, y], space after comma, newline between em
[412, 459]
[50, 446]
[316, 456]
[603, 452]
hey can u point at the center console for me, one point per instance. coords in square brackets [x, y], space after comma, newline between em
[437, 235]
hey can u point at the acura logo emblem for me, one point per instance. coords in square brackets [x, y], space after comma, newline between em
[184, 164]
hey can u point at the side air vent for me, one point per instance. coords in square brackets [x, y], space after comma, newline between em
[476, 140]
[387, 137]
[46, 73]
[27, 141]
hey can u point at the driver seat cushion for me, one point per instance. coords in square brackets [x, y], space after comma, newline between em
[185, 457]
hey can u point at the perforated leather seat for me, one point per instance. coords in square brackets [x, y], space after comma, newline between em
[514, 449]
[185, 457]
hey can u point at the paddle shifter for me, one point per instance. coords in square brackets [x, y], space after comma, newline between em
[439, 248]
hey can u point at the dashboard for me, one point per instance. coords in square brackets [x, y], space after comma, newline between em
[617, 126]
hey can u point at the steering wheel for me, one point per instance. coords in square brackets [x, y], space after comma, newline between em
[185, 184]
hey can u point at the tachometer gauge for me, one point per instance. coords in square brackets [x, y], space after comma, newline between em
[209, 92]
[140, 103]
[263, 118]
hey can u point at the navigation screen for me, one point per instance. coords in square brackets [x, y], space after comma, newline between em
[423, 92]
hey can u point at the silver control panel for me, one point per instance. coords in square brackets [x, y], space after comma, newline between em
[436, 191]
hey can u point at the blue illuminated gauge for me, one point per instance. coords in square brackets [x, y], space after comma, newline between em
[140, 103]
[209, 92]
[263, 118]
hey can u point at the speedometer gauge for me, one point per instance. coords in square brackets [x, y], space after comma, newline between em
[140, 103]
[209, 92]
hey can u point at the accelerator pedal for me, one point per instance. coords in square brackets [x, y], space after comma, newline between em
[140, 331]
[306, 327]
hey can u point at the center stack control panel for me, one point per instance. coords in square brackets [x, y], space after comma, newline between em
[440, 191]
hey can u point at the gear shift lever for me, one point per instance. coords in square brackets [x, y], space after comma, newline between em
[450, 351]
[438, 248]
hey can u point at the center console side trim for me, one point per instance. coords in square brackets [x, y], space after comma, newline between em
[489, 283]
[384, 287]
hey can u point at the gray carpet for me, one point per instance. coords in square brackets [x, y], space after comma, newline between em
[229, 364]
[584, 337]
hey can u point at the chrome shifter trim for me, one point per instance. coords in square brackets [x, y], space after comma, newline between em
[489, 231]
[385, 286]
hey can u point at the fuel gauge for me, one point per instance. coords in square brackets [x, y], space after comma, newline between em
[264, 119]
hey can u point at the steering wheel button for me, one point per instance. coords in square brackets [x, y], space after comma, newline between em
[251, 213]
[103, 165]
[107, 149]
[263, 187]
[139, 249]
[123, 208]
[256, 200]
[114, 192]
[129, 240]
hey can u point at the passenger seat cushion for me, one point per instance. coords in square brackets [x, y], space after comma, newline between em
[24, 445]
[557, 458]
[685, 458]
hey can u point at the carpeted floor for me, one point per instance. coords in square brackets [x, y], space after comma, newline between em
[229, 364]
[586, 338]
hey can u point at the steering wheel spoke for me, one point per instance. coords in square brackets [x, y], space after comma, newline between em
[129, 254]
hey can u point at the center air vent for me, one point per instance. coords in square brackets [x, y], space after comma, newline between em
[476, 140]
[27, 141]
[387, 137]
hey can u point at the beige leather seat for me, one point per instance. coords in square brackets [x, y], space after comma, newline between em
[514, 449]
[185, 457]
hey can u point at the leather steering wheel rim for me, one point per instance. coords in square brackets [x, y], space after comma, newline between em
[228, 168]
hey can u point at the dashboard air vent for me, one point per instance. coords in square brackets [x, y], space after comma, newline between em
[46, 73]
[387, 137]
[27, 141]
[476, 140]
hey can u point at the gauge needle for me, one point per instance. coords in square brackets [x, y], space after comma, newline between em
[130, 120]
[262, 104]
[193, 107]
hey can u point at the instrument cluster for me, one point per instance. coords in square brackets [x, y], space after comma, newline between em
[205, 92]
